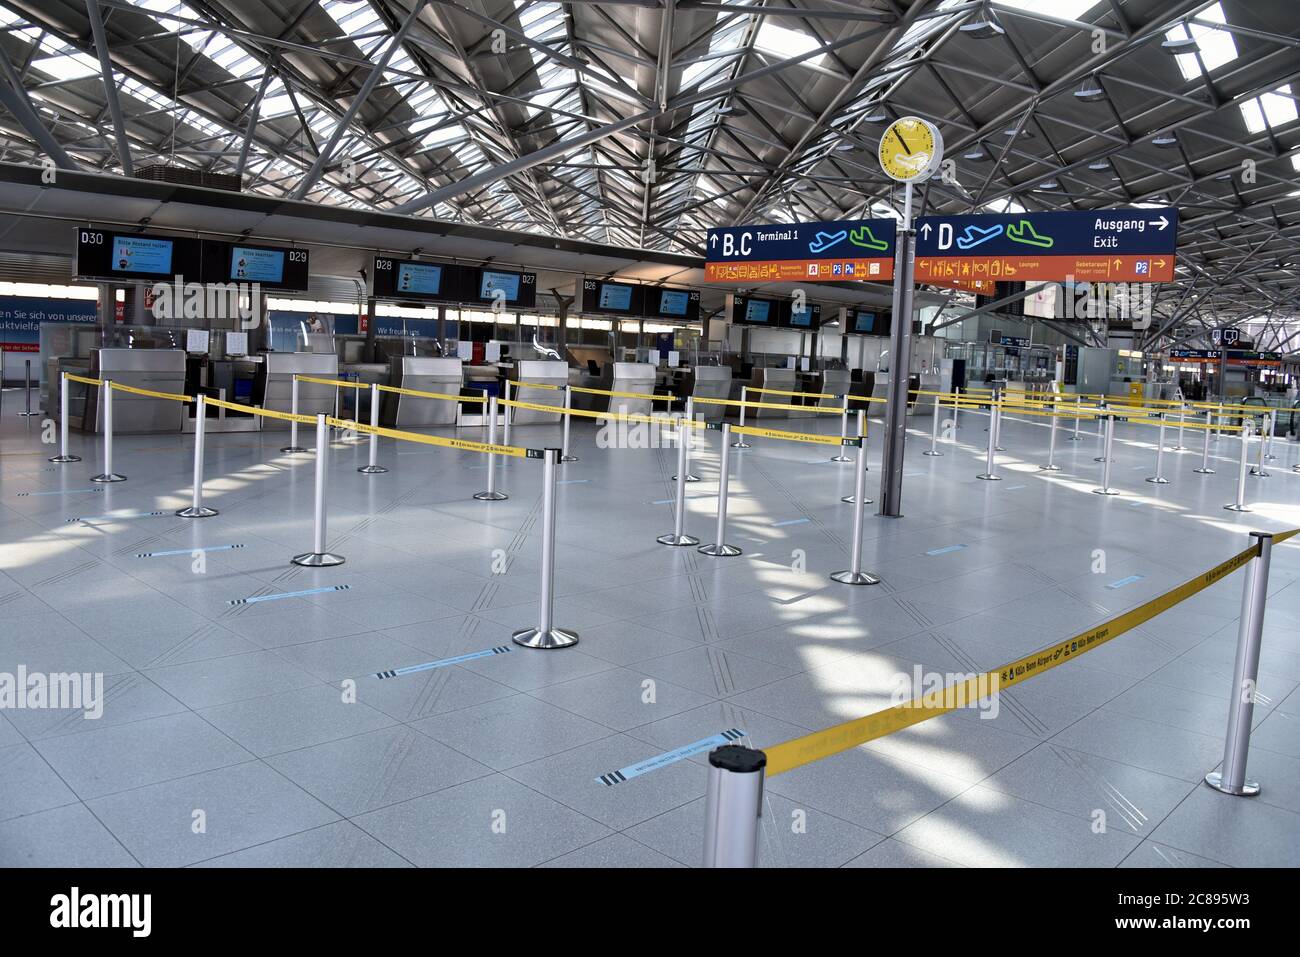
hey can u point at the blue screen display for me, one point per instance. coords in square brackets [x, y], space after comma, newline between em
[616, 297]
[256, 265]
[864, 322]
[758, 310]
[507, 282]
[673, 303]
[132, 254]
[801, 320]
[419, 278]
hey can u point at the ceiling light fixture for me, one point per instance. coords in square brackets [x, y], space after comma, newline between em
[1180, 46]
[1090, 91]
[1165, 141]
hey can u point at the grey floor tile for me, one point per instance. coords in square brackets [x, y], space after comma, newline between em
[506, 732]
[620, 698]
[28, 784]
[67, 836]
[1151, 854]
[341, 844]
[1239, 832]
[217, 681]
[894, 853]
[294, 719]
[617, 850]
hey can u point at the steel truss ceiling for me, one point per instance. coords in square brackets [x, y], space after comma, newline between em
[641, 123]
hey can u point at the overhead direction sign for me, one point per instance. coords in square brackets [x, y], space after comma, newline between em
[802, 252]
[1108, 245]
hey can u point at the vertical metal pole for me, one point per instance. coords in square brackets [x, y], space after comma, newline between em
[491, 495]
[720, 548]
[1078, 404]
[740, 442]
[839, 456]
[900, 364]
[1109, 432]
[1182, 421]
[1268, 442]
[108, 475]
[568, 417]
[733, 804]
[546, 635]
[63, 455]
[373, 467]
[1218, 420]
[1258, 469]
[27, 388]
[678, 535]
[690, 441]
[989, 475]
[505, 440]
[862, 431]
[934, 432]
[293, 445]
[956, 408]
[1231, 776]
[1240, 504]
[1051, 465]
[318, 557]
[854, 575]
[1159, 477]
[197, 509]
[1205, 447]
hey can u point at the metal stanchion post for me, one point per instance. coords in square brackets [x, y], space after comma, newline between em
[1240, 504]
[1218, 420]
[63, 455]
[1078, 404]
[1268, 442]
[740, 442]
[989, 475]
[1106, 459]
[568, 417]
[1205, 447]
[1051, 465]
[678, 535]
[505, 436]
[491, 494]
[839, 456]
[996, 427]
[1182, 421]
[862, 431]
[934, 432]
[318, 557]
[720, 548]
[854, 575]
[546, 635]
[1231, 776]
[690, 414]
[733, 804]
[956, 408]
[197, 509]
[373, 467]
[1258, 469]
[1159, 477]
[108, 475]
[27, 389]
[293, 445]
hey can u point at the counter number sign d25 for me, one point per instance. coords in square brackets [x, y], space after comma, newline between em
[910, 149]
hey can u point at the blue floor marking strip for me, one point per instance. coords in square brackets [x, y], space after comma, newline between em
[70, 491]
[1126, 581]
[443, 662]
[288, 594]
[572, 481]
[792, 521]
[186, 551]
[1012, 488]
[669, 757]
[114, 518]
[945, 550]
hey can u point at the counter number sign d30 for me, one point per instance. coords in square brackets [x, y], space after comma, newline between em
[910, 150]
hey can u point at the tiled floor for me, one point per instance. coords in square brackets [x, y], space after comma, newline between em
[258, 734]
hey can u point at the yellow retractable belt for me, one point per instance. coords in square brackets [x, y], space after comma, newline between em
[346, 383]
[265, 413]
[791, 436]
[539, 385]
[821, 409]
[82, 378]
[174, 396]
[810, 395]
[464, 445]
[624, 395]
[841, 737]
[661, 418]
[444, 396]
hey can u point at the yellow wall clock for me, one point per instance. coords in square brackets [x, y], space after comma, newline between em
[910, 150]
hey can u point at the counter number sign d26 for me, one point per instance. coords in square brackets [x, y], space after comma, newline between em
[910, 149]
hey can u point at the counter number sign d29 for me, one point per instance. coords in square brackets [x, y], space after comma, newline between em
[910, 149]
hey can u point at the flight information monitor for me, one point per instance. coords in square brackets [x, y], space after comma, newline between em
[423, 278]
[414, 280]
[809, 318]
[755, 312]
[489, 286]
[102, 254]
[870, 322]
[681, 304]
[275, 267]
[611, 298]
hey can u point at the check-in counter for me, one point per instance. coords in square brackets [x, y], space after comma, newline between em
[275, 387]
[833, 382]
[709, 382]
[159, 370]
[542, 372]
[638, 377]
[787, 380]
[443, 376]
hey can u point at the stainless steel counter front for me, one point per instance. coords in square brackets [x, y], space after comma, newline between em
[443, 376]
[543, 372]
[276, 384]
[160, 370]
[710, 382]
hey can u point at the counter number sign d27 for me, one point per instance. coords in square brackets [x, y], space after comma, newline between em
[910, 149]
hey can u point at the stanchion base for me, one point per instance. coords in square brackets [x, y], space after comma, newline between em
[491, 496]
[552, 638]
[854, 578]
[1248, 788]
[987, 477]
[998, 448]
[1259, 473]
[26, 414]
[1100, 458]
[60, 459]
[291, 449]
[1105, 491]
[1074, 438]
[719, 551]
[926, 452]
[568, 458]
[1158, 480]
[1049, 468]
[689, 477]
[1204, 471]
[741, 445]
[372, 469]
[1177, 448]
[1237, 508]
[112, 477]
[318, 559]
[845, 458]
[201, 512]
[850, 500]
[673, 539]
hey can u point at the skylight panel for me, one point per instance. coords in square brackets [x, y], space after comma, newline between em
[74, 66]
[1270, 110]
[1215, 47]
[1060, 9]
[773, 38]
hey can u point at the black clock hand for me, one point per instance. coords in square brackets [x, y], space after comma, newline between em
[899, 136]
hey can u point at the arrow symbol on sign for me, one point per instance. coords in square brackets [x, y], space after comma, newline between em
[713, 240]
[1118, 263]
[1162, 222]
[925, 230]
[1159, 262]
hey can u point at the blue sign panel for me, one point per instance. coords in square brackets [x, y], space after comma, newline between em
[802, 252]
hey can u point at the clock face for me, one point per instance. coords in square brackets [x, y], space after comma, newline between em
[910, 149]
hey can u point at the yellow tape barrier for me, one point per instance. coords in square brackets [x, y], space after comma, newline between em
[82, 378]
[812, 437]
[540, 385]
[841, 737]
[661, 418]
[444, 396]
[624, 395]
[820, 409]
[174, 396]
[265, 413]
[810, 395]
[464, 445]
[345, 383]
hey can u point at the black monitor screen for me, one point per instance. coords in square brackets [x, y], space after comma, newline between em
[495, 285]
[422, 278]
[253, 264]
[758, 311]
[674, 302]
[142, 255]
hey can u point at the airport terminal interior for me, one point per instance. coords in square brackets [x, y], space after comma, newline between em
[649, 434]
